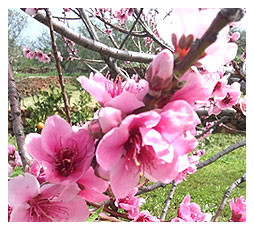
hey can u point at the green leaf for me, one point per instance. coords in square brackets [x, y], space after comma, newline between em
[95, 214]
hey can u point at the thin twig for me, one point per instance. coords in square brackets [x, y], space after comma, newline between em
[17, 124]
[58, 66]
[167, 201]
[150, 188]
[220, 154]
[226, 195]
[223, 119]
[131, 29]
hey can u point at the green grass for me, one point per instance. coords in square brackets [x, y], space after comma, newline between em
[208, 185]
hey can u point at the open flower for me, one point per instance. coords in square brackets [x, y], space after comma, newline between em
[65, 153]
[150, 143]
[184, 25]
[130, 203]
[123, 95]
[238, 208]
[191, 212]
[145, 216]
[31, 202]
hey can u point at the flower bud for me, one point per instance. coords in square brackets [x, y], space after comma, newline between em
[94, 129]
[109, 118]
[159, 73]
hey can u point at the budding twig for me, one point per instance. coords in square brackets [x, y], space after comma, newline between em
[226, 195]
[17, 125]
[58, 66]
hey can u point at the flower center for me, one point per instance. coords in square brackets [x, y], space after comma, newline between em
[114, 88]
[65, 161]
[227, 99]
[44, 210]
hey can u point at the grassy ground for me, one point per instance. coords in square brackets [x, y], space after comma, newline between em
[208, 185]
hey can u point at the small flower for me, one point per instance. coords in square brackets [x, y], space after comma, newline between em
[14, 158]
[238, 208]
[31, 202]
[145, 216]
[130, 203]
[32, 11]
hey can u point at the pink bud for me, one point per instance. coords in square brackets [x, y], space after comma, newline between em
[94, 128]
[235, 36]
[109, 118]
[159, 73]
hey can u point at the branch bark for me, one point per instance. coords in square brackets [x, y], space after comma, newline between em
[226, 195]
[167, 201]
[17, 124]
[220, 154]
[58, 66]
[94, 45]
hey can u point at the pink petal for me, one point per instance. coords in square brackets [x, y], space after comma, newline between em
[22, 189]
[123, 177]
[34, 148]
[111, 148]
[92, 195]
[126, 102]
[54, 133]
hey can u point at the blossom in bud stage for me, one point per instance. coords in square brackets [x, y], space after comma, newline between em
[238, 209]
[159, 72]
[130, 203]
[145, 216]
[149, 143]
[109, 118]
[32, 11]
[191, 212]
[233, 94]
[242, 102]
[13, 157]
[31, 202]
[92, 187]
[66, 154]
[187, 24]
[235, 36]
[123, 95]
[67, 9]
[38, 170]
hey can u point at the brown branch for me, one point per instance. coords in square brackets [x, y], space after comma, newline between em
[167, 201]
[58, 66]
[150, 188]
[226, 196]
[225, 16]
[220, 154]
[94, 45]
[17, 124]
[103, 216]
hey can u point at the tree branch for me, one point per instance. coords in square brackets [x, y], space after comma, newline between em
[94, 45]
[220, 154]
[150, 188]
[17, 125]
[58, 66]
[226, 195]
[167, 201]
[225, 16]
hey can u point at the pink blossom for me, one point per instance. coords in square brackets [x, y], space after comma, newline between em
[45, 58]
[130, 203]
[145, 216]
[231, 98]
[109, 118]
[220, 89]
[32, 11]
[39, 171]
[187, 24]
[198, 88]
[67, 9]
[238, 208]
[242, 102]
[27, 53]
[150, 143]
[39, 55]
[10, 170]
[235, 36]
[66, 154]
[31, 202]
[121, 15]
[14, 157]
[108, 31]
[191, 212]
[92, 187]
[159, 72]
[123, 95]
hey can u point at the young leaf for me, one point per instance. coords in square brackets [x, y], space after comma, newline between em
[95, 214]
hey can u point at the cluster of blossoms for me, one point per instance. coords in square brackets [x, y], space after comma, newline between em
[131, 135]
[42, 57]
[13, 159]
